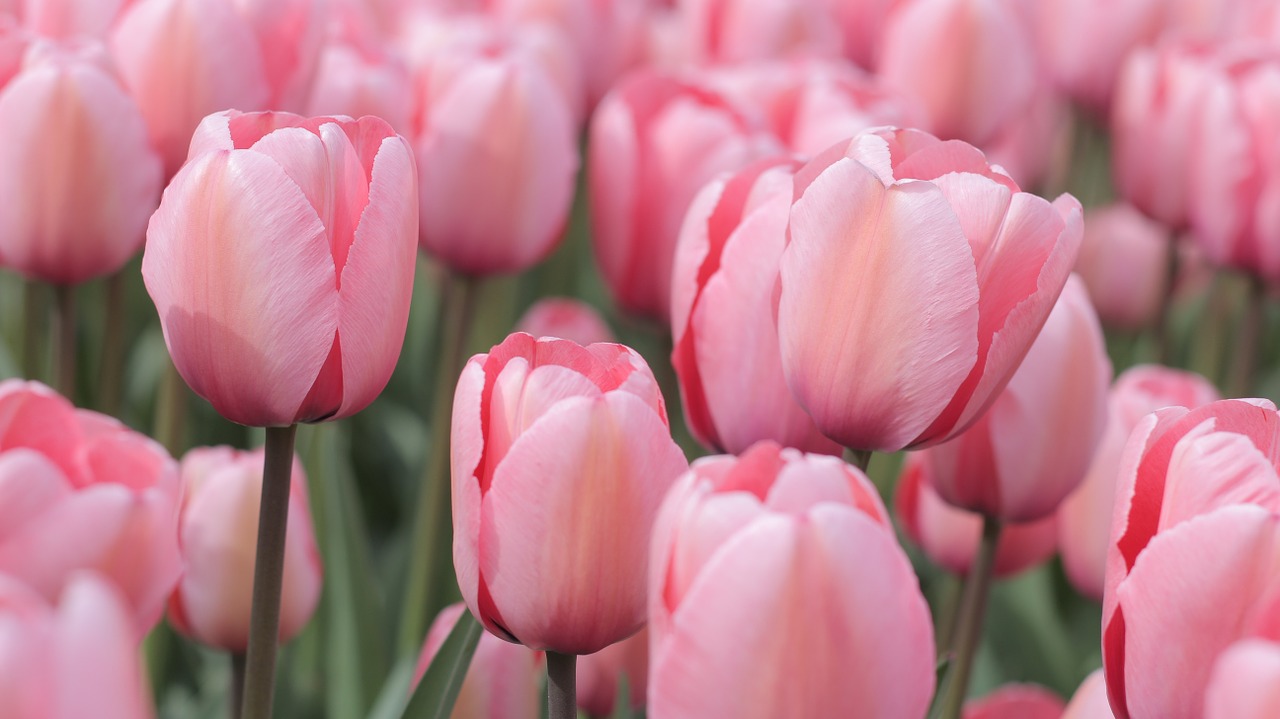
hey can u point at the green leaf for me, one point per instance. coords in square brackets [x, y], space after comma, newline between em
[394, 696]
[438, 690]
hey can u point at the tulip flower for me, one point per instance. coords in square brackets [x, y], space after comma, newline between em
[861, 24]
[741, 31]
[289, 34]
[220, 504]
[79, 490]
[75, 139]
[1124, 261]
[66, 19]
[601, 675]
[1090, 700]
[914, 280]
[569, 577]
[751, 572]
[726, 343]
[503, 681]
[1037, 143]
[565, 318]
[73, 660]
[1245, 683]
[1016, 701]
[355, 76]
[281, 263]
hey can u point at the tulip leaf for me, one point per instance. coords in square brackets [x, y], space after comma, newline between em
[438, 690]
[394, 696]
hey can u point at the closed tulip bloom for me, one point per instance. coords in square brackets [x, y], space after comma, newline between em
[1015, 701]
[949, 536]
[1090, 700]
[582, 434]
[281, 263]
[75, 140]
[914, 280]
[970, 63]
[751, 560]
[1124, 261]
[726, 352]
[1084, 520]
[79, 490]
[355, 76]
[222, 489]
[78, 658]
[503, 681]
[567, 319]
[601, 675]
[738, 31]
[1245, 683]
[655, 140]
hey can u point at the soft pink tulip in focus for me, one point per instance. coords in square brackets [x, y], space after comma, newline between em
[567, 319]
[581, 434]
[70, 661]
[949, 536]
[1245, 683]
[1015, 701]
[79, 490]
[1090, 700]
[738, 31]
[281, 263]
[1124, 261]
[758, 608]
[914, 280]
[726, 352]
[970, 63]
[503, 681]
[357, 76]
[78, 177]
[222, 490]
[600, 675]
[1084, 520]
[655, 140]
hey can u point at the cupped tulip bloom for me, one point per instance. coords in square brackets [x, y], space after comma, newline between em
[78, 658]
[738, 31]
[1245, 683]
[970, 63]
[751, 559]
[1084, 519]
[1124, 261]
[566, 318]
[569, 577]
[1090, 700]
[281, 263]
[950, 537]
[726, 352]
[655, 140]
[80, 491]
[503, 681]
[75, 139]
[914, 280]
[1015, 701]
[222, 490]
[601, 675]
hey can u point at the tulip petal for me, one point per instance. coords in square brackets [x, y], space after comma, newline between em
[1090, 700]
[1245, 683]
[466, 448]
[29, 485]
[98, 671]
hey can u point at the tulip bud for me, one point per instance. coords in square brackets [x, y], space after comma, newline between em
[741, 31]
[1124, 261]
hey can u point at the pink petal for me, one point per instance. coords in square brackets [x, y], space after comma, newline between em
[29, 486]
[98, 672]
[466, 447]
[1245, 683]
[1090, 700]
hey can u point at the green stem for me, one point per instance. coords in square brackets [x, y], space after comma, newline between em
[35, 327]
[1161, 335]
[237, 683]
[430, 583]
[268, 574]
[1248, 340]
[948, 614]
[860, 458]
[111, 374]
[65, 354]
[973, 605]
[171, 411]
[562, 693]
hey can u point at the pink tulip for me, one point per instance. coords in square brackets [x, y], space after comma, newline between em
[1245, 683]
[914, 280]
[758, 608]
[726, 343]
[569, 577]
[949, 536]
[218, 529]
[655, 140]
[862, 25]
[1090, 700]
[565, 318]
[600, 675]
[737, 31]
[503, 681]
[355, 76]
[1084, 519]
[1037, 142]
[1015, 701]
[969, 62]
[289, 34]
[1124, 261]
[74, 660]
[75, 139]
[78, 490]
[66, 19]
[281, 263]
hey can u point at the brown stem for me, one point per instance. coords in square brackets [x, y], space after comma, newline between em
[562, 693]
[973, 606]
[65, 355]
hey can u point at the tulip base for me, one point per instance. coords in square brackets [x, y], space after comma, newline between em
[562, 690]
[268, 574]
[968, 629]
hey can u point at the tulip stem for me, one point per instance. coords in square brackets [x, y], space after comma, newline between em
[1161, 332]
[973, 605]
[237, 683]
[562, 692]
[860, 458]
[268, 574]
[171, 411]
[430, 581]
[34, 326]
[1248, 337]
[111, 374]
[65, 356]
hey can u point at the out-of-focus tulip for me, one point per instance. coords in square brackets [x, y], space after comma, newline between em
[914, 280]
[726, 342]
[655, 140]
[503, 681]
[497, 158]
[79, 490]
[970, 63]
[1015, 701]
[78, 177]
[581, 434]
[567, 319]
[736, 31]
[1084, 520]
[77, 659]
[1245, 683]
[862, 24]
[289, 34]
[1195, 552]
[751, 559]
[1124, 261]
[65, 19]
[950, 536]
[355, 76]
[281, 263]
[600, 675]
[1090, 700]
[219, 526]
[1036, 142]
